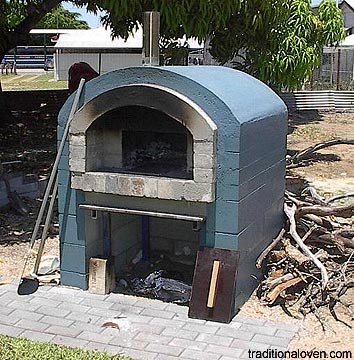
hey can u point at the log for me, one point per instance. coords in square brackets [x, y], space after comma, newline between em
[341, 211]
[290, 213]
[273, 294]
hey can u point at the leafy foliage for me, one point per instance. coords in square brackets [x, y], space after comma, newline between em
[60, 18]
[22, 349]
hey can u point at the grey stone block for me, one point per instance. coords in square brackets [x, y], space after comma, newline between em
[68, 341]
[151, 304]
[54, 320]
[149, 328]
[174, 323]
[285, 334]
[163, 314]
[31, 325]
[258, 329]
[139, 354]
[92, 336]
[151, 338]
[10, 330]
[44, 302]
[23, 314]
[235, 333]
[188, 344]
[252, 345]
[65, 331]
[110, 349]
[128, 342]
[103, 304]
[164, 349]
[180, 333]
[271, 340]
[199, 355]
[215, 339]
[52, 311]
[122, 299]
[74, 307]
[37, 336]
[232, 353]
[86, 318]
[201, 328]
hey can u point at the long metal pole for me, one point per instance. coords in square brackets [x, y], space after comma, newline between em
[56, 163]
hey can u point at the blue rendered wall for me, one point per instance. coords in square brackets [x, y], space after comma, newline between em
[251, 145]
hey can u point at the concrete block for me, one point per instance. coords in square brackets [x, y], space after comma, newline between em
[10, 331]
[68, 199]
[204, 175]
[198, 355]
[65, 148]
[77, 139]
[124, 185]
[203, 161]
[164, 349]
[37, 336]
[271, 340]
[61, 330]
[215, 339]
[137, 186]
[189, 344]
[68, 341]
[249, 345]
[63, 162]
[53, 320]
[191, 326]
[227, 352]
[170, 189]
[151, 187]
[51, 311]
[193, 191]
[77, 164]
[163, 314]
[69, 278]
[73, 259]
[235, 333]
[139, 354]
[28, 315]
[72, 230]
[227, 214]
[64, 177]
[204, 147]
[259, 329]
[226, 241]
[111, 184]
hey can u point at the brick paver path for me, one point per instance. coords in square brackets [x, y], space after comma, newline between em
[149, 329]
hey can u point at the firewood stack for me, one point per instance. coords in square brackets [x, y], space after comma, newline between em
[310, 264]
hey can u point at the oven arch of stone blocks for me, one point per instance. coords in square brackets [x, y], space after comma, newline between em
[179, 108]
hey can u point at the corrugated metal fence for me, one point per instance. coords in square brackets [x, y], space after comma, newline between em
[330, 100]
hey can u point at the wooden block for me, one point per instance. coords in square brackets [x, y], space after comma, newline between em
[213, 284]
[101, 276]
[224, 292]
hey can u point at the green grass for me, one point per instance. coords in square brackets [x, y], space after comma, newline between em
[31, 81]
[22, 349]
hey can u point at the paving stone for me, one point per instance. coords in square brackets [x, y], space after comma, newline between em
[225, 351]
[105, 313]
[215, 339]
[10, 330]
[89, 327]
[45, 302]
[7, 298]
[285, 334]
[151, 304]
[179, 309]
[6, 310]
[85, 318]
[97, 303]
[258, 329]
[149, 328]
[188, 344]
[73, 307]
[248, 320]
[23, 314]
[235, 333]
[51, 311]
[92, 336]
[31, 325]
[242, 344]
[271, 340]
[126, 309]
[53, 320]
[37, 336]
[180, 333]
[227, 358]
[167, 357]
[199, 355]
[151, 338]
[284, 326]
[11, 319]
[184, 317]
[69, 298]
[168, 323]
[140, 319]
[17, 304]
[164, 349]
[201, 328]
[163, 314]
[129, 343]
[139, 354]
[122, 299]
[111, 349]
[68, 341]
[65, 331]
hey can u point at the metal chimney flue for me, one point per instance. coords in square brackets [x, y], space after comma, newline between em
[151, 35]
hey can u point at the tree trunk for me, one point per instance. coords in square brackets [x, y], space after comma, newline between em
[5, 114]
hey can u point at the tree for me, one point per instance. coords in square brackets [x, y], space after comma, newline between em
[60, 18]
[278, 41]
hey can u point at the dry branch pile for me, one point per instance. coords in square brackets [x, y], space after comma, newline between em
[311, 262]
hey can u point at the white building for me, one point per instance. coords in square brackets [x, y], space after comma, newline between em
[96, 47]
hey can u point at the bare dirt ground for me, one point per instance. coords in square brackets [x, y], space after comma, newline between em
[331, 173]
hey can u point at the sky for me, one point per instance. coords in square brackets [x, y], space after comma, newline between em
[93, 20]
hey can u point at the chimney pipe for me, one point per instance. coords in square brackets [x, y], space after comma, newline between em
[151, 35]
